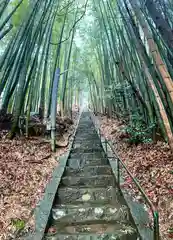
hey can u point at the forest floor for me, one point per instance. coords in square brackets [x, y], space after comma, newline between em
[25, 169]
[27, 164]
[152, 165]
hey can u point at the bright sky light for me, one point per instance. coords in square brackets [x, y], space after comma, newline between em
[88, 20]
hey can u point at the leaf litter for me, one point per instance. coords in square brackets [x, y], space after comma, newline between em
[152, 165]
[26, 168]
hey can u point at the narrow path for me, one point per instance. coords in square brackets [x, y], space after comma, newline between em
[88, 204]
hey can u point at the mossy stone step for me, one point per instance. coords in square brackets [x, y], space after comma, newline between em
[73, 195]
[85, 134]
[89, 171]
[88, 155]
[86, 128]
[107, 231]
[76, 215]
[88, 139]
[88, 204]
[95, 140]
[87, 150]
[87, 144]
[93, 181]
[103, 236]
[76, 163]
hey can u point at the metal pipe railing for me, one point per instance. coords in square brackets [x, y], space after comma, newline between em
[156, 235]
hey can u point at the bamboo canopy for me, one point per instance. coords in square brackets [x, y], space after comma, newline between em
[118, 52]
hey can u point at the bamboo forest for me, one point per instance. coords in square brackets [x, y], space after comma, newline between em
[86, 105]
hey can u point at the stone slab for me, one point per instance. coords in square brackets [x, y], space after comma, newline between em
[75, 195]
[105, 232]
[70, 214]
[89, 171]
[77, 163]
[93, 181]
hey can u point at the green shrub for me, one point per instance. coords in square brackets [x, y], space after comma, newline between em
[137, 130]
[18, 224]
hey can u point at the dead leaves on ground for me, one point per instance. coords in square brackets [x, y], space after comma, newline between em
[25, 169]
[152, 165]
[24, 172]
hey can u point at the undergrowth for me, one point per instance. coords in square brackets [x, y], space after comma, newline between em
[137, 130]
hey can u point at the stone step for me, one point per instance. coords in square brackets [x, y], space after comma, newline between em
[105, 231]
[89, 171]
[86, 127]
[73, 195]
[95, 142]
[94, 181]
[85, 136]
[85, 120]
[88, 155]
[86, 139]
[76, 163]
[86, 130]
[87, 145]
[88, 204]
[83, 123]
[91, 133]
[88, 150]
[77, 215]
[103, 236]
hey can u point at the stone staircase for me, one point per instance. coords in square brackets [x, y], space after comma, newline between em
[88, 205]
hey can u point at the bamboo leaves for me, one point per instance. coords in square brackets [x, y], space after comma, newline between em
[122, 61]
[130, 69]
[30, 58]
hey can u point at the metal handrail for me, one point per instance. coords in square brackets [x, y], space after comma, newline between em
[156, 235]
